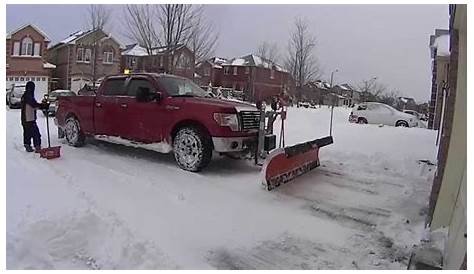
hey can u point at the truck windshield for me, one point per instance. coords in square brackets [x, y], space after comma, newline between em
[181, 87]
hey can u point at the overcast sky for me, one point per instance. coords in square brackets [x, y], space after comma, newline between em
[389, 42]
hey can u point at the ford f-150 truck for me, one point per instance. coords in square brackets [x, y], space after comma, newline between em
[159, 112]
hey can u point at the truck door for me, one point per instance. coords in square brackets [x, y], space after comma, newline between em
[144, 119]
[107, 110]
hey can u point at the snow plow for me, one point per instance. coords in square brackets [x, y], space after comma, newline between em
[285, 163]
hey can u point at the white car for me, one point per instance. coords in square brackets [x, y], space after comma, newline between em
[378, 113]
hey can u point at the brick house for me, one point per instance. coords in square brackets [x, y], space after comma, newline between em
[257, 77]
[439, 48]
[351, 96]
[26, 48]
[178, 61]
[84, 57]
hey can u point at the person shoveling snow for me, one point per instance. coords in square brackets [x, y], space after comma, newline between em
[28, 118]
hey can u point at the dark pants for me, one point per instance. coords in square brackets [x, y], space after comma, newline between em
[30, 130]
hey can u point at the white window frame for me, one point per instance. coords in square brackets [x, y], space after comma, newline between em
[16, 48]
[247, 70]
[81, 55]
[109, 57]
[87, 53]
[37, 49]
[226, 70]
[235, 71]
[27, 46]
[272, 74]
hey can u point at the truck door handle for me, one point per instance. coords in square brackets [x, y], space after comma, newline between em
[124, 105]
[98, 104]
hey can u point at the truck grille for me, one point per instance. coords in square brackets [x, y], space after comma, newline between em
[250, 119]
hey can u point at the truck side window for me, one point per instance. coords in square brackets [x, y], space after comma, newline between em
[135, 84]
[115, 87]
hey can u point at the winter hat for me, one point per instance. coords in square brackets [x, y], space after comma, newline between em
[30, 86]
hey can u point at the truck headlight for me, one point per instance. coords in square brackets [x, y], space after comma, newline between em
[227, 120]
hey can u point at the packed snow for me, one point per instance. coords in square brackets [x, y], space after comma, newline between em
[107, 206]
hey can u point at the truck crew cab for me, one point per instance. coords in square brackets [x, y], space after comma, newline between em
[160, 112]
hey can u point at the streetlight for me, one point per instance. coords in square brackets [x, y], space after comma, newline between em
[332, 75]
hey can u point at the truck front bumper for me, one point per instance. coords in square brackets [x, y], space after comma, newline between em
[233, 144]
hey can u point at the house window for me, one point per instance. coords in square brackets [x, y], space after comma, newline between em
[272, 74]
[43, 79]
[80, 55]
[87, 55]
[27, 46]
[161, 61]
[37, 49]
[235, 70]
[16, 48]
[22, 79]
[38, 79]
[247, 70]
[108, 57]
[226, 70]
[17, 79]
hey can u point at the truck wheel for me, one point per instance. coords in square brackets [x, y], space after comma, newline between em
[74, 135]
[192, 149]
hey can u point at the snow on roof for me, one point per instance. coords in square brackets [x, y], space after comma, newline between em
[48, 65]
[442, 45]
[46, 38]
[72, 37]
[343, 87]
[254, 61]
[135, 50]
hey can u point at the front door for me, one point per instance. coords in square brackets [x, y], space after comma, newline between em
[107, 111]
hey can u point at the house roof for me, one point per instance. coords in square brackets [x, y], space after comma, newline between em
[47, 65]
[137, 50]
[253, 60]
[73, 37]
[46, 38]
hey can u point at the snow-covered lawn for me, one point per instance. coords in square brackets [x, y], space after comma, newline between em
[114, 207]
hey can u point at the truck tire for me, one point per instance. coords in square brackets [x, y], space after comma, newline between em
[192, 148]
[74, 135]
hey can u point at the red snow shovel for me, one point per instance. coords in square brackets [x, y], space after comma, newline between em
[50, 152]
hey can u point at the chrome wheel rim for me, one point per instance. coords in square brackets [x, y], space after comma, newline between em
[72, 131]
[187, 150]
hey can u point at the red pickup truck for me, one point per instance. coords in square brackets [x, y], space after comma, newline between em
[159, 112]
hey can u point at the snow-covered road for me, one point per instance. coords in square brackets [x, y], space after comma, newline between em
[113, 207]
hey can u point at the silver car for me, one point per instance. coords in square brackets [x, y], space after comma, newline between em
[14, 95]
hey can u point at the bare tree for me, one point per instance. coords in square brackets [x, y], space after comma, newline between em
[203, 38]
[301, 61]
[169, 26]
[98, 17]
[371, 90]
[176, 22]
[141, 26]
[269, 51]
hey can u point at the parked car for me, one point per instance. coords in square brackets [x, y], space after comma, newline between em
[14, 95]
[418, 115]
[52, 98]
[305, 104]
[378, 113]
[159, 112]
